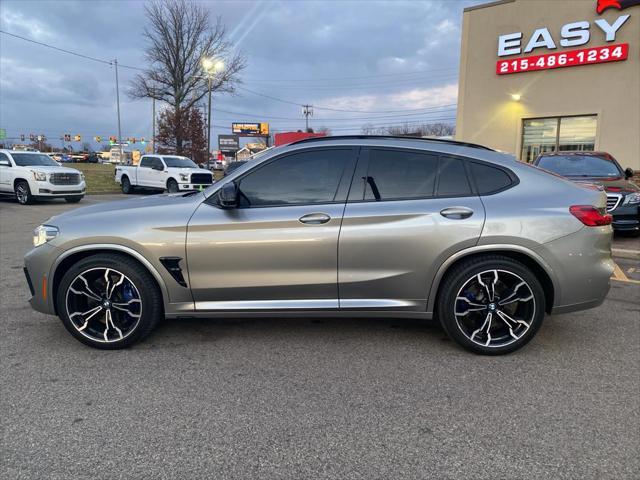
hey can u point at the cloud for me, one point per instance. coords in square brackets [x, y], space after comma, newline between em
[16, 22]
[350, 55]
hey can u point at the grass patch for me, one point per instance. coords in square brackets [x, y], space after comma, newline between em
[99, 177]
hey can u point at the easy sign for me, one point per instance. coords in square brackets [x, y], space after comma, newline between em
[571, 35]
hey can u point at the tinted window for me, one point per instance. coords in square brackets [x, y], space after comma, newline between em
[395, 175]
[452, 179]
[145, 162]
[579, 166]
[489, 179]
[4, 157]
[33, 160]
[157, 163]
[179, 162]
[300, 178]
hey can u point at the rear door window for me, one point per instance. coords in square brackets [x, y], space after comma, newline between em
[452, 178]
[400, 174]
[145, 162]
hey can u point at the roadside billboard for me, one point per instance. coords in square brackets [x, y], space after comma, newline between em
[228, 143]
[250, 129]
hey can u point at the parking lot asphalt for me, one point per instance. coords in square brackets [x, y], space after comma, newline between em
[304, 398]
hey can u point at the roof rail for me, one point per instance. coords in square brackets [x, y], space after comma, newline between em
[391, 137]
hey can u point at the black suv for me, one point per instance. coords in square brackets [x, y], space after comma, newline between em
[623, 196]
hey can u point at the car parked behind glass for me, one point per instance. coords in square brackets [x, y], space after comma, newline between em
[600, 168]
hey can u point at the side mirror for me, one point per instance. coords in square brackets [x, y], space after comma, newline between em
[229, 195]
[628, 172]
[4, 163]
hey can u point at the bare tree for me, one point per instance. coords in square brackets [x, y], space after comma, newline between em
[180, 36]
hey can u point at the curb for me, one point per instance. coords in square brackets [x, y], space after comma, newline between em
[623, 253]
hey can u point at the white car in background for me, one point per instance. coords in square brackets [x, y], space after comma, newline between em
[32, 176]
[163, 172]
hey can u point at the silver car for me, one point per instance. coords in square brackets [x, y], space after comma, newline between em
[336, 226]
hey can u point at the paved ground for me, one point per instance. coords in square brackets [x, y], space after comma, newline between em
[276, 398]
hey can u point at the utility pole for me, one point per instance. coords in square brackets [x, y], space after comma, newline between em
[307, 110]
[153, 125]
[115, 62]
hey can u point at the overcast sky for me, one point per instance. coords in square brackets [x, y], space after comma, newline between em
[359, 56]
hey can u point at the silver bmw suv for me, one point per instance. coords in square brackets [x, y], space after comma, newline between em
[336, 226]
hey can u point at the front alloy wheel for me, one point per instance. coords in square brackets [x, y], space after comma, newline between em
[23, 193]
[103, 304]
[108, 301]
[491, 304]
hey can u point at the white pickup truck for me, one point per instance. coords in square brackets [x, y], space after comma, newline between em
[163, 172]
[32, 176]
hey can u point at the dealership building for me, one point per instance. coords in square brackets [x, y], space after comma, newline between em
[547, 75]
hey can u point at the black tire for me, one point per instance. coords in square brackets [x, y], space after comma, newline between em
[127, 188]
[172, 186]
[451, 309]
[151, 306]
[73, 199]
[23, 193]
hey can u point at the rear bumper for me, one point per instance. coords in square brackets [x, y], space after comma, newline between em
[582, 266]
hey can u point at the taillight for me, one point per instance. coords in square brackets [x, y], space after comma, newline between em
[590, 215]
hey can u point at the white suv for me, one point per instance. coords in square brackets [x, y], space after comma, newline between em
[33, 176]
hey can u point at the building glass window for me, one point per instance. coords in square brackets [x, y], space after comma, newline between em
[540, 135]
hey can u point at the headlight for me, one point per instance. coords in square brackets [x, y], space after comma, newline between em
[43, 234]
[184, 177]
[631, 199]
[39, 176]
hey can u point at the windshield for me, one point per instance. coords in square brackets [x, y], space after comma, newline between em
[179, 162]
[579, 166]
[33, 160]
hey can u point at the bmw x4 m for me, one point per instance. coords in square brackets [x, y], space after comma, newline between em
[336, 226]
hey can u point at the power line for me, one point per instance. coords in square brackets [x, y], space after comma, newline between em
[87, 57]
[366, 76]
[328, 108]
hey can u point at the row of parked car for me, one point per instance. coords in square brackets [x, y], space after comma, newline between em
[34, 176]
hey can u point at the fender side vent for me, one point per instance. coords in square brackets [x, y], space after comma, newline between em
[172, 264]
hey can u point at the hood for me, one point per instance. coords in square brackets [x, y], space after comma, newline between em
[51, 169]
[610, 184]
[191, 170]
[142, 206]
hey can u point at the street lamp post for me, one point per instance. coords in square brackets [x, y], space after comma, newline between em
[211, 67]
[209, 122]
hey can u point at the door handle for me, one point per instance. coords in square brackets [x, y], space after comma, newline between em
[456, 213]
[315, 218]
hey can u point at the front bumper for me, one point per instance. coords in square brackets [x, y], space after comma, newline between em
[37, 264]
[626, 218]
[47, 189]
[193, 186]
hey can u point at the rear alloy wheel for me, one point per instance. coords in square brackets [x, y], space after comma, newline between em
[23, 193]
[127, 188]
[491, 305]
[172, 186]
[108, 301]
